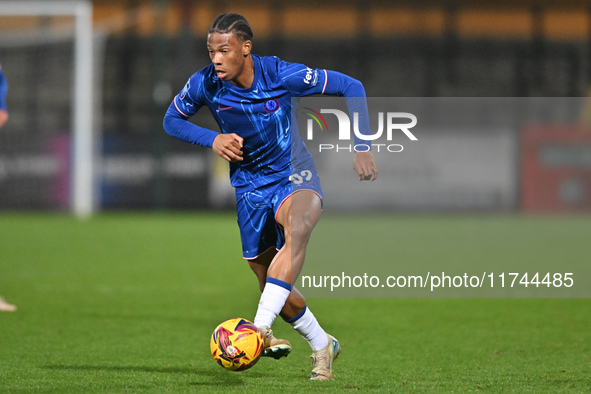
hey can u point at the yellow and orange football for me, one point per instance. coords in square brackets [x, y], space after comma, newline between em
[236, 344]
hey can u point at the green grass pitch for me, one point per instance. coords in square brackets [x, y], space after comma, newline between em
[127, 303]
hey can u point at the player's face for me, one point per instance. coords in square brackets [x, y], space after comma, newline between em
[230, 56]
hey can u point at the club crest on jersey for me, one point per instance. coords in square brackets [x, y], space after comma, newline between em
[271, 105]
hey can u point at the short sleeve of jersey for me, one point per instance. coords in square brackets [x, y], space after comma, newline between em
[301, 80]
[188, 102]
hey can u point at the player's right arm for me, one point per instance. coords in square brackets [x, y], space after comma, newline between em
[176, 124]
[228, 147]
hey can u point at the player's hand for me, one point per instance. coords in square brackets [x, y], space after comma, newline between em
[228, 147]
[365, 166]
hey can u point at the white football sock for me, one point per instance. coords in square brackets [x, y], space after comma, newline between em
[307, 326]
[272, 300]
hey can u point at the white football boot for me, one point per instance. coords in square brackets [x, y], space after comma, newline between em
[6, 307]
[274, 347]
[322, 359]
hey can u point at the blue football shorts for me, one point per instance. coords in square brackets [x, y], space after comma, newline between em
[257, 209]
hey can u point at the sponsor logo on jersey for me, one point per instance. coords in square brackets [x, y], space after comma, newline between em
[311, 77]
[271, 105]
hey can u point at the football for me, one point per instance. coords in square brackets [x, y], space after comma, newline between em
[236, 344]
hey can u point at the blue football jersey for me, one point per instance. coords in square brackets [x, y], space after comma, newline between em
[260, 114]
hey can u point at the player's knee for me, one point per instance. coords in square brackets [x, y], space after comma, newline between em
[300, 231]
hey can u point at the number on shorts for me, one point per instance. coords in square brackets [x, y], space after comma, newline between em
[302, 176]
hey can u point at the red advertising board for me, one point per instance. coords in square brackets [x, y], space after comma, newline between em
[556, 169]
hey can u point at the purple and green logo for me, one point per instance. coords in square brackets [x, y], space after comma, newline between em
[319, 120]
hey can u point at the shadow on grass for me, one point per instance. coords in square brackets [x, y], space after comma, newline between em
[140, 317]
[123, 368]
[220, 377]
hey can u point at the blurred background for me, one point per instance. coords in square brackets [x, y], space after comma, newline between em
[143, 51]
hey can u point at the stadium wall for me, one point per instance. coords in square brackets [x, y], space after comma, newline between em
[453, 52]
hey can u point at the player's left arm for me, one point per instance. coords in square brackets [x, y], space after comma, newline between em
[339, 84]
[318, 81]
[3, 91]
[3, 117]
[365, 166]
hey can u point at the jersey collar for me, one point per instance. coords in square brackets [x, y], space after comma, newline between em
[255, 80]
